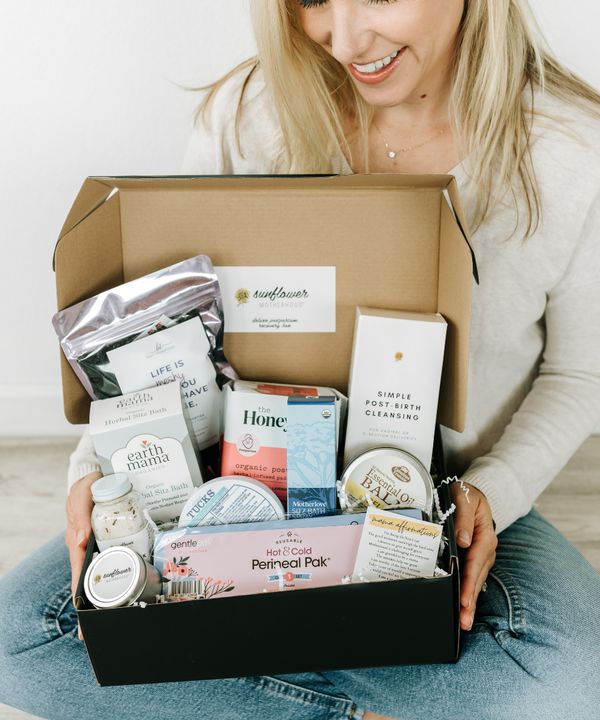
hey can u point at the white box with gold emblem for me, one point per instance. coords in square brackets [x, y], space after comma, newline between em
[394, 386]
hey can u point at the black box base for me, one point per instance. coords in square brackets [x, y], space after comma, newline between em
[403, 622]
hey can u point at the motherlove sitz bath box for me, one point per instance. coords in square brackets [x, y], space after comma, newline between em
[298, 254]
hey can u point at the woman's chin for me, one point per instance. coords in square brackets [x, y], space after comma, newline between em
[387, 97]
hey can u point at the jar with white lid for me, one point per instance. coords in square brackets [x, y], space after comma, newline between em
[119, 516]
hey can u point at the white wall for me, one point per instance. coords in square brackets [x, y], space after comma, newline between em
[89, 88]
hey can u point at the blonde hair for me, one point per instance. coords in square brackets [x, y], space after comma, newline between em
[501, 59]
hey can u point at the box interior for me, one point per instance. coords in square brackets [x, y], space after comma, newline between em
[396, 241]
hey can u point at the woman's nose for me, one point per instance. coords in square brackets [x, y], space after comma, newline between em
[350, 36]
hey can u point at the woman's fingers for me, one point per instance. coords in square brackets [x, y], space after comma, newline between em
[475, 533]
[76, 557]
[479, 561]
[464, 524]
[79, 525]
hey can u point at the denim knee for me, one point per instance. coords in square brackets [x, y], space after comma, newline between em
[553, 630]
[35, 600]
[10, 638]
[11, 598]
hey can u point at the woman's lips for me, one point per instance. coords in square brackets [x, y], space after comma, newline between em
[379, 75]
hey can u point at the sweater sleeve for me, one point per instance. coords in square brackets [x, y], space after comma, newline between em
[83, 460]
[563, 405]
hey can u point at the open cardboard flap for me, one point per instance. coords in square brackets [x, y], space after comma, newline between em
[396, 241]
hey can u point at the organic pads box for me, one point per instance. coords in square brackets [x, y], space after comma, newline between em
[145, 435]
[394, 384]
[256, 438]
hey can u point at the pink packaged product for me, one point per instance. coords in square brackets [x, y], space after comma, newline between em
[255, 438]
[301, 554]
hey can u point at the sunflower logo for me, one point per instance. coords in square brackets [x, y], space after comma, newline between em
[242, 296]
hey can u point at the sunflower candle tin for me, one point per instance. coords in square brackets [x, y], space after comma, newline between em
[119, 577]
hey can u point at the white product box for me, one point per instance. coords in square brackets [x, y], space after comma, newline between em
[394, 384]
[145, 434]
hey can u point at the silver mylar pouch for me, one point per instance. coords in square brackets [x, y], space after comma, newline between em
[135, 306]
[388, 478]
[118, 577]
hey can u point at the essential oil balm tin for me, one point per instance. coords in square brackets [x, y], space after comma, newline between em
[390, 478]
[118, 577]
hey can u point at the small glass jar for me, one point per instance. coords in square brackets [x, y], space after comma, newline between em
[119, 517]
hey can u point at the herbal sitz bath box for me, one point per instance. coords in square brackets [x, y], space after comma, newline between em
[414, 258]
[145, 434]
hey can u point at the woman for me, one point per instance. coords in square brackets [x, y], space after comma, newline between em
[417, 86]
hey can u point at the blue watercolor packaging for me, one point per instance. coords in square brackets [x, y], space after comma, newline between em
[311, 456]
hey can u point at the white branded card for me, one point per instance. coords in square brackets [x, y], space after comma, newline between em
[394, 546]
[176, 354]
[278, 299]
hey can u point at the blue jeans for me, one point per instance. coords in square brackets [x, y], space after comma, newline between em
[534, 651]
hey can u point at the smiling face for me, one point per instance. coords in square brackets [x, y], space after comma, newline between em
[396, 51]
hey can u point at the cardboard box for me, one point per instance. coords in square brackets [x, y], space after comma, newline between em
[396, 242]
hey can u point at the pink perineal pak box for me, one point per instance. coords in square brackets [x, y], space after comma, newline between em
[257, 561]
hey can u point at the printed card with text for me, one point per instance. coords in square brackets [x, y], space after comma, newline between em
[393, 547]
[278, 299]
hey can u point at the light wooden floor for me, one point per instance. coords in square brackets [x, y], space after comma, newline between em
[33, 485]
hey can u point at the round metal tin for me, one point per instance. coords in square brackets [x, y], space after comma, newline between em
[390, 477]
[118, 577]
[229, 500]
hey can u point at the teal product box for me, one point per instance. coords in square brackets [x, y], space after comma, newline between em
[311, 456]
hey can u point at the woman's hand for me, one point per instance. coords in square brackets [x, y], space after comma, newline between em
[475, 532]
[79, 523]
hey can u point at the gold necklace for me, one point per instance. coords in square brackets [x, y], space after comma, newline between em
[393, 153]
